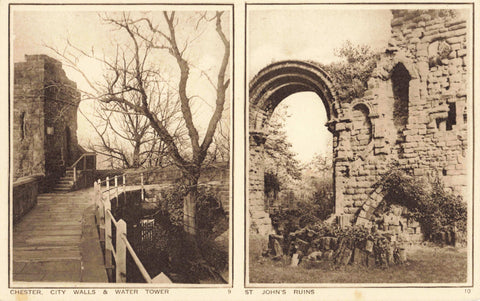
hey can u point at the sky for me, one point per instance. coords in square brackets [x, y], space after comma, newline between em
[310, 33]
[34, 27]
[275, 33]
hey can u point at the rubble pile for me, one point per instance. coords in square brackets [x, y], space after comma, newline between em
[350, 245]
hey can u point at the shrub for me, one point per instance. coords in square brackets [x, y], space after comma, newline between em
[171, 251]
[209, 210]
[427, 200]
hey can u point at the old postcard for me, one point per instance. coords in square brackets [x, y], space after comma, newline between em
[239, 151]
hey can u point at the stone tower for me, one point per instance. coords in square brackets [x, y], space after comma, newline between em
[45, 104]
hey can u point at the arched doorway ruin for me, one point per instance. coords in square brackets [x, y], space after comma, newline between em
[267, 89]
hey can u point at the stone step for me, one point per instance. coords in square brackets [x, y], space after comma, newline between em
[65, 181]
[63, 187]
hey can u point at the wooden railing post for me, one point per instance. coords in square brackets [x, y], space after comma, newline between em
[121, 253]
[94, 196]
[108, 188]
[97, 192]
[124, 190]
[75, 174]
[108, 238]
[116, 189]
[143, 193]
[102, 218]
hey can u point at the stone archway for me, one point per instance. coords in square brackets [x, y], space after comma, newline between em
[267, 89]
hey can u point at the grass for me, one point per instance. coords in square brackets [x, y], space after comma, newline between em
[425, 264]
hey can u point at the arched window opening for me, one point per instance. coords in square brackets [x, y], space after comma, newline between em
[400, 85]
[361, 133]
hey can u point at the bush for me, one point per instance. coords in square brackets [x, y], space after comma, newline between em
[170, 250]
[428, 202]
[211, 218]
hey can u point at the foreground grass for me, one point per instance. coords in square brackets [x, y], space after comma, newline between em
[425, 264]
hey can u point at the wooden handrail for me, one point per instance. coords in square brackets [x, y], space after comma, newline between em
[139, 264]
[83, 156]
[122, 244]
[105, 219]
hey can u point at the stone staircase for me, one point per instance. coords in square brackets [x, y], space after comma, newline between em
[65, 183]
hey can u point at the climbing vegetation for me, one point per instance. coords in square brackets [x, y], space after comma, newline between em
[436, 209]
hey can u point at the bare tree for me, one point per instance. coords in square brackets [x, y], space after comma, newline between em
[129, 85]
[127, 137]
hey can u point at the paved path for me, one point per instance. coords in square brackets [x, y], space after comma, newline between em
[58, 241]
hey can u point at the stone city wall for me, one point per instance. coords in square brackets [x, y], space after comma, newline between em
[25, 191]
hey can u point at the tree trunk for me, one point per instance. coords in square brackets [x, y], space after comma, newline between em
[136, 155]
[189, 208]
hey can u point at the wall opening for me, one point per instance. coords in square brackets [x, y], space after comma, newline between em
[452, 116]
[400, 85]
[298, 154]
[361, 134]
[272, 85]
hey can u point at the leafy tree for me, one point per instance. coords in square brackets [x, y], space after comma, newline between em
[282, 168]
[350, 76]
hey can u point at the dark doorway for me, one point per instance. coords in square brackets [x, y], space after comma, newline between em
[68, 145]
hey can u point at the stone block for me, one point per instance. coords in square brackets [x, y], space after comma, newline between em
[454, 40]
[461, 52]
[358, 204]
[395, 229]
[456, 23]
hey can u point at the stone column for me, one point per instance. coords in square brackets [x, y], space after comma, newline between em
[342, 152]
[260, 222]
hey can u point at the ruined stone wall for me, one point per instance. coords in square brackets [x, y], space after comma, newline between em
[269, 87]
[414, 112]
[257, 207]
[45, 119]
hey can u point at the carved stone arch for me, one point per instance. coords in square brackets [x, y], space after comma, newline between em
[361, 133]
[279, 80]
[388, 62]
[368, 104]
[266, 90]
[400, 58]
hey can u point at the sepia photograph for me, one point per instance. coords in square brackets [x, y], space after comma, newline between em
[239, 150]
[120, 144]
[359, 142]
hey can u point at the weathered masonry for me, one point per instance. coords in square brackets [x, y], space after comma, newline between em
[45, 104]
[414, 113]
